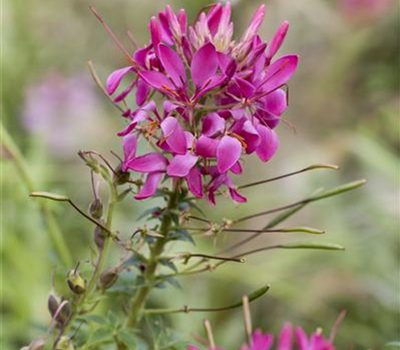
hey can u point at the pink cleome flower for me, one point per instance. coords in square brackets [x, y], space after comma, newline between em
[289, 339]
[221, 100]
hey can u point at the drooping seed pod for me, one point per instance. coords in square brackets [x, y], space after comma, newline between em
[52, 304]
[96, 209]
[64, 312]
[76, 282]
[99, 236]
[108, 277]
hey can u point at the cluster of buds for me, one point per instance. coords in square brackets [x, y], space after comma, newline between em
[220, 99]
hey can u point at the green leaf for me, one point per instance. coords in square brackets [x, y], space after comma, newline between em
[101, 320]
[148, 212]
[128, 337]
[180, 234]
[51, 196]
[101, 335]
[168, 263]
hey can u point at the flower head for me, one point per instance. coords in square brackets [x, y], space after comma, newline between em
[221, 100]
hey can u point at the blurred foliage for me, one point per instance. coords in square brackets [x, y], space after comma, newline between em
[344, 104]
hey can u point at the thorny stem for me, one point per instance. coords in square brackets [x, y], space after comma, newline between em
[55, 233]
[142, 294]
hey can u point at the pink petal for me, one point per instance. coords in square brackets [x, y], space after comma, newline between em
[150, 186]
[129, 146]
[174, 135]
[195, 183]
[165, 29]
[228, 153]
[237, 168]
[269, 143]
[148, 163]
[251, 136]
[190, 139]
[128, 129]
[236, 196]
[157, 80]
[142, 92]
[246, 88]
[279, 73]
[213, 123]
[261, 341]
[172, 64]
[206, 147]
[182, 19]
[181, 165]
[277, 40]
[155, 32]
[204, 64]
[214, 18]
[255, 23]
[115, 78]
[125, 93]
[302, 339]
[276, 102]
[285, 340]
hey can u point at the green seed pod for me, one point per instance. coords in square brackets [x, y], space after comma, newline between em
[108, 278]
[76, 282]
[99, 236]
[52, 304]
[96, 208]
[65, 343]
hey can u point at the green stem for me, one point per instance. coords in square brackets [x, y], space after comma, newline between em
[141, 296]
[20, 164]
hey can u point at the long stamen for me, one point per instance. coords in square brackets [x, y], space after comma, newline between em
[114, 37]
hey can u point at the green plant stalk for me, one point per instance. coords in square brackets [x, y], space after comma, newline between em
[99, 263]
[54, 230]
[139, 300]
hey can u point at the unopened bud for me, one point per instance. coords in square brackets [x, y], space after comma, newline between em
[52, 304]
[65, 343]
[99, 236]
[121, 177]
[108, 278]
[76, 282]
[96, 208]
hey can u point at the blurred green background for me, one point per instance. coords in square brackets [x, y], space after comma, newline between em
[344, 104]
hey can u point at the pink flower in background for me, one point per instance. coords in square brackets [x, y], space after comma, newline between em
[289, 339]
[62, 111]
[364, 9]
[221, 98]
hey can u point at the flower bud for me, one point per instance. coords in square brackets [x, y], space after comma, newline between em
[65, 343]
[76, 282]
[108, 278]
[99, 236]
[96, 208]
[52, 304]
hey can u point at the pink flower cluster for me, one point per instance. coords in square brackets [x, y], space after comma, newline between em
[221, 99]
[286, 341]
